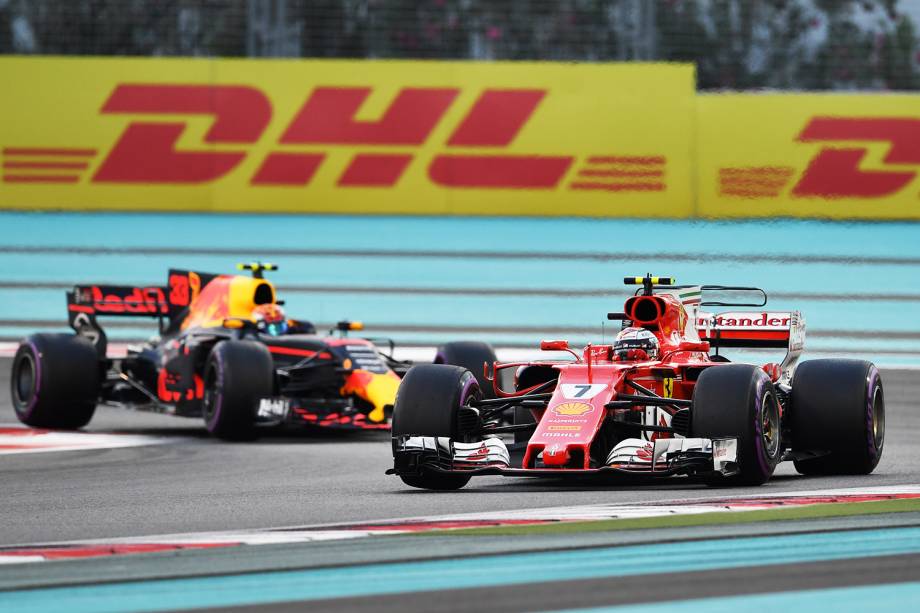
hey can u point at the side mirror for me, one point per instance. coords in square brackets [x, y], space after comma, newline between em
[554, 345]
[349, 326]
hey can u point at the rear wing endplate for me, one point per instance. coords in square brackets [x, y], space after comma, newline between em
[756, 329]
[86, 302]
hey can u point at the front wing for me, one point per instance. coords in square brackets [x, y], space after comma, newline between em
[333, 413]
[416, 455]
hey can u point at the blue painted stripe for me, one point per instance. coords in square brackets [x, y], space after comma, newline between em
[247, 233]
[558, 273]
[586, 235]
[511, 311]
[467, 572]
[890, 597]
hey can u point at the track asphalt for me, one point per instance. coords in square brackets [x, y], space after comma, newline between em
[193, 483]
[200, 484]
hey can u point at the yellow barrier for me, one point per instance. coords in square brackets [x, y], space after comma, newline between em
[806, 155]
[347, 136]
[607, 140]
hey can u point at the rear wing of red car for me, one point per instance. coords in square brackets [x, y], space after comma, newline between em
[770, 329]
[743, 329]
[764, 329]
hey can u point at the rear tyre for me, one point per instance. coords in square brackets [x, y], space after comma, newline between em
[428, 404]
[54, 382]
[739, 401]
[838, 407]
[237, 375]
[470, 355]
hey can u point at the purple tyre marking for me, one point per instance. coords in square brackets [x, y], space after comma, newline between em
[872, 384]
[218, 395]
[758, 426]
[36, 384]
[759, 408]
[465, 391]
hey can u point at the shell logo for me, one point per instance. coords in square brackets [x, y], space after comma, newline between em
[573, 408]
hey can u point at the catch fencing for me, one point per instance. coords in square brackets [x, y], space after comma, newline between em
[735, 44]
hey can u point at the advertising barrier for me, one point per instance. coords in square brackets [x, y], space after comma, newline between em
[838, 156]
[432, 138]
[308, 136]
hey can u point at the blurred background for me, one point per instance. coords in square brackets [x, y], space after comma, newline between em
[749, 44]
[849, 260]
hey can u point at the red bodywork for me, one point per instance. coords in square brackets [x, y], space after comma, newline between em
[578, 408]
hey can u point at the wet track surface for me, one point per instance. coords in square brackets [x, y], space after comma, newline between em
[195, 483]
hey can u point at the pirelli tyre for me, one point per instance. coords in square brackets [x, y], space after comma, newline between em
[739, 401]
[428, 404]
[470, 355]
[55, 381]
[237, 375]
[838, 410]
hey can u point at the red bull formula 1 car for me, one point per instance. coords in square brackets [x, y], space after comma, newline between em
[659, 401]
[225, 352]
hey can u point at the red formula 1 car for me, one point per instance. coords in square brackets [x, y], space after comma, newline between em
[225, 352]
[659, 401]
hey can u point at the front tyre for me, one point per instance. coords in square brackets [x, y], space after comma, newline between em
[739, 401]
[429, 403]
[55, 381]
[838, 408]
[237, 375]
[470, 355]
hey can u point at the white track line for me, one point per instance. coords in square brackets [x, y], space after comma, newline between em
[303, 534]
[17, 439]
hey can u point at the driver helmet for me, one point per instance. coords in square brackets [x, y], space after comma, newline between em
[270, 319]
[635, 344]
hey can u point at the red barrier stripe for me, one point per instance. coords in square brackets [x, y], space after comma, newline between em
[47, 151]
[620, 187]
[41, 178]
[627, 159]
[621, 173]
[47, 165]
[739, 181]
[750, 193]
[763, 170]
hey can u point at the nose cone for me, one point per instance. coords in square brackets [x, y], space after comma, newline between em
[556, 455]
[378, 389]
